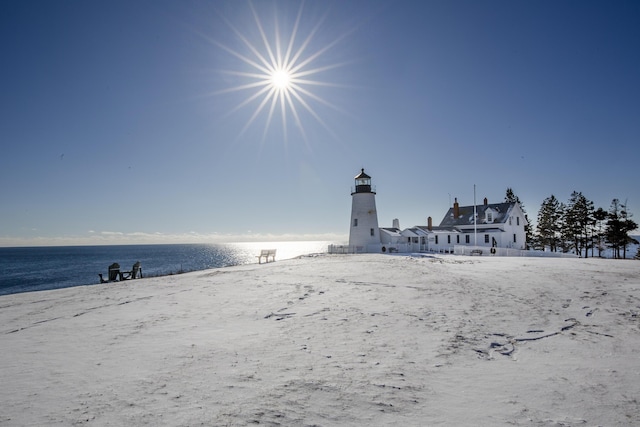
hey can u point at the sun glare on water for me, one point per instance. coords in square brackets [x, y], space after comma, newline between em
[279, 74]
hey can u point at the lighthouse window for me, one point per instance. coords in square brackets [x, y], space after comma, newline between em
[372, 233]
[355, 222]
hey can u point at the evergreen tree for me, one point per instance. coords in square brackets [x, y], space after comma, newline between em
[548, 227]
[569, 230]
[618, 228]
[628, 225]
[613, 232]
[600, 215]
[511, 197]
[566, 239]
[578, 221]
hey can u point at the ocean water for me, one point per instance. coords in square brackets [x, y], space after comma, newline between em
[41, 268]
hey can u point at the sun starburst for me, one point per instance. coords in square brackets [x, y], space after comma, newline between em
[281, 78]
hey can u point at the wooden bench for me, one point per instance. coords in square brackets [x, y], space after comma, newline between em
[266, 253]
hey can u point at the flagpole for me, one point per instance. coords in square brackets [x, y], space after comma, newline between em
[475, 226]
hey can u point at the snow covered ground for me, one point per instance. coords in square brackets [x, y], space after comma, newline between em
[333, 340]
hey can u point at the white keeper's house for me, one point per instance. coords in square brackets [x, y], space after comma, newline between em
[489, 228]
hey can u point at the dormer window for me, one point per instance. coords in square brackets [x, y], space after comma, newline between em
[489, 215]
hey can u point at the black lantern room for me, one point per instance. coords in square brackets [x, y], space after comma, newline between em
[363, 183]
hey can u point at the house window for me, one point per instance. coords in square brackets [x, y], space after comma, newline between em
[514, 237]
[355, 222]
[486, 238]
[436, 239]
[517, 220]
[458, 239]
[489, 217]
[510, 220]
[415, 240]
[372, 232]
[466, 239]
[449, 238]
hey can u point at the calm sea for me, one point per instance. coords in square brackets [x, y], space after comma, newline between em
[41, 268]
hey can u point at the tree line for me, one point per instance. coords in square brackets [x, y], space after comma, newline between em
[579, 227]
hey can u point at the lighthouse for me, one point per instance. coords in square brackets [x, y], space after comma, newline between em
[364, 235]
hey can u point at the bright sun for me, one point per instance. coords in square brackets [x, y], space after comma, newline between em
[281, 79]
[282, 74]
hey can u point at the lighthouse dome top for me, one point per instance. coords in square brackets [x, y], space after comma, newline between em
[362, 175]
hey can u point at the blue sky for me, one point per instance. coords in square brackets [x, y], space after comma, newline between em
[126, 122]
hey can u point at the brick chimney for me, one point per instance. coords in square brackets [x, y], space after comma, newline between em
[486, 202]
[456, 208]
[429, 224]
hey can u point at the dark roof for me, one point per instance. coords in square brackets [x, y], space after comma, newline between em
[483, 230]
[362, 175]
[391, 229]
[436, 228]
[465, 215]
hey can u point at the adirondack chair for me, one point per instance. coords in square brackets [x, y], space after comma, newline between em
[114, 272]
[136, 271]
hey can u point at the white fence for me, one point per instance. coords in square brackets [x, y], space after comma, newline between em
[488, 251]
[346, 249]
[456, 250]
[340, 249]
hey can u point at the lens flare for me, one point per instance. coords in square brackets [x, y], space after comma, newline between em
[282, 76]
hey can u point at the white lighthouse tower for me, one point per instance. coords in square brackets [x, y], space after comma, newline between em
[364, 235]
